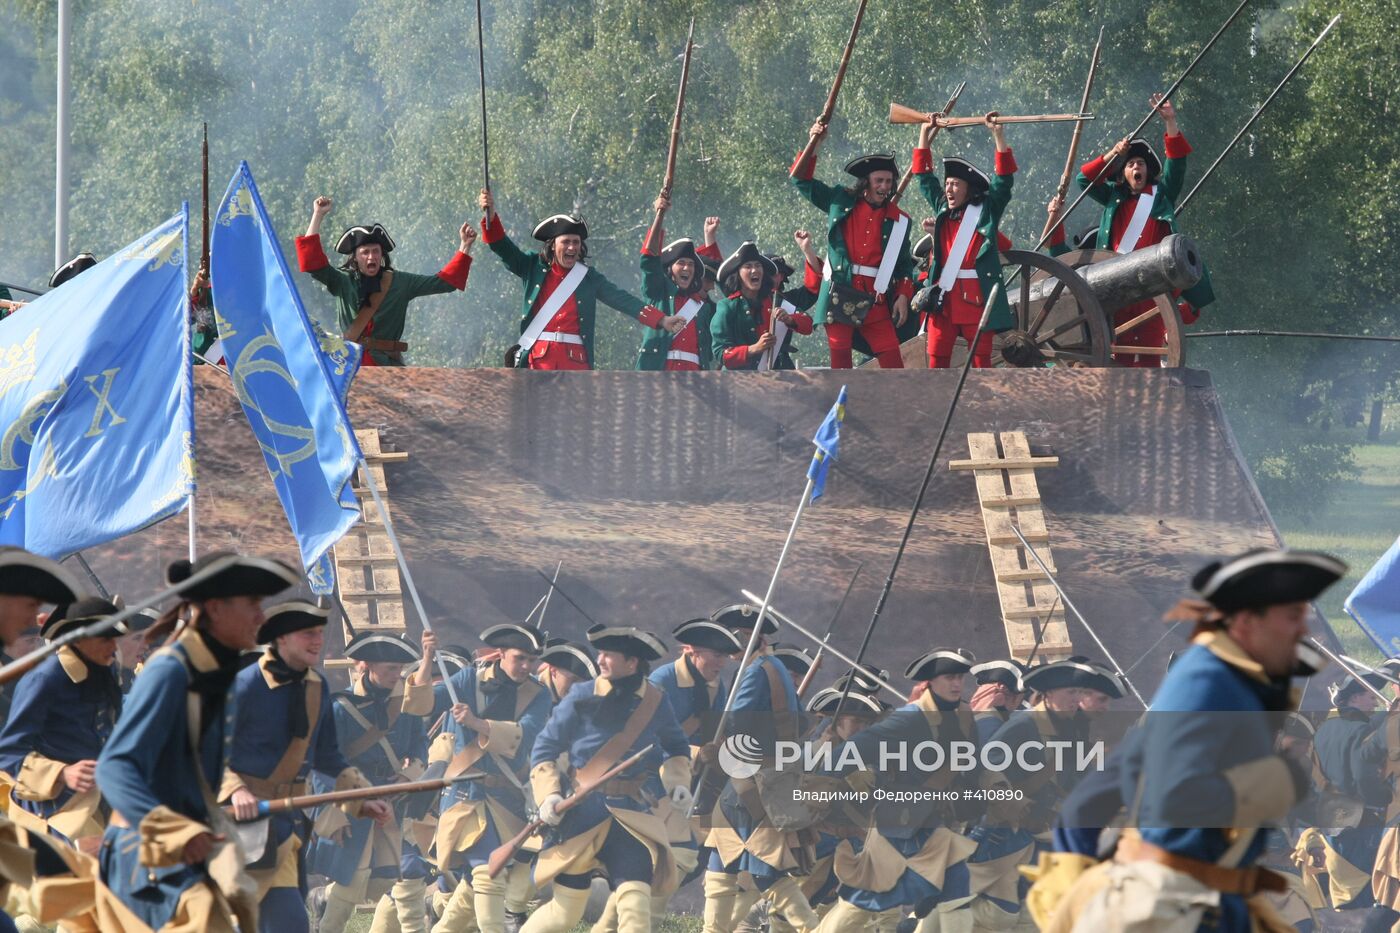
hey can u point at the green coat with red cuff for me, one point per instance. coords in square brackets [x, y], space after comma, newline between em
[661, 292]
[1173, 178]
[391, 316]
[531, 268]
[988, 260]
[838, 204]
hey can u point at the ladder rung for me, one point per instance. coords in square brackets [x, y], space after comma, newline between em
[1021, 576]
[1010, 501]
[381, 594]
[1033, 536]
[1031, 612]
[1009, 463]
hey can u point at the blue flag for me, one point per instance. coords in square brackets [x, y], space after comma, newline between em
[291, 376]
[96, 402]
[828, 440]
[1375, 603]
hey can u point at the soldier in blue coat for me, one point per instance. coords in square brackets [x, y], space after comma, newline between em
[694, 682]
[381, 728]
[501, 710]
[563, 664]
[1203, 786]
[63, 713]
[27, 582]
[619, 829]
[169, 854]
[283, 732]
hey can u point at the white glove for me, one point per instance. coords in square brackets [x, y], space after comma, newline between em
[548, 811]
[681, 797]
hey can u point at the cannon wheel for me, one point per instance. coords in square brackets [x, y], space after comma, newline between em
[1175, 352]
[1056, 308]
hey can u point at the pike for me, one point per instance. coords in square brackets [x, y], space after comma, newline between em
[1254, 116]
[1315, 643]
[567, 598]
[901, 115]
[831, 627]
[503, 853]
[654, 234]
[1073, 155]
[909, 172]
[204, 204]
[830, 106]
[544, 606]
[481, 77]
[20, 288]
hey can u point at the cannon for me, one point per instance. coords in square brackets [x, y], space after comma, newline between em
[1065, 305]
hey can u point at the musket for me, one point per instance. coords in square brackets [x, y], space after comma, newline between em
[1073, 155]
[831, 627]
[830, 106]
[674, 147]
[909, 172]
[902, 115]
[1309, 640]
[481, 76]
[204, 203]
[503, 853]
[379, 791]
[1254, 116]
[567, 598]
[91, 575]
[20, 288]
[544, 607]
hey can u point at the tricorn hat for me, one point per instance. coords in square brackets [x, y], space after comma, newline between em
[512, 635]
[560, 225]
[941, 661]
[575, 659]
[1100, 677]
[741, 617]
[924, 247]
[232, 575]
[72, 268]
[862, 166]
[784, 270]
[684, 248]
[953, 167]
[358, 236]
[292, 616]
[1266, 577]
[861, 680]
[628, 640]
[1008, 673]
[824, 703]
[382, 647]
[1350, 684]
[455, 663]
[1140, 148]
[746, 253]
[65, 619]
[1056, 674]
[797, 661]
[26, 574]
[702, 633]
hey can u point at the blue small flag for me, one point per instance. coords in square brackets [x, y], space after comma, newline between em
[96, 401]
[291, 376]
[828, 440]
[1375, 603]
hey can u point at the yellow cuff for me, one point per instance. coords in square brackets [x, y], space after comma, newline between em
[39, 778]
[351, 779]
[1053, 876]
[675, 772]
[443, 748]
[503, 738]
[164, 834]
[544, 780]
[1263, 790]
[417, 698]
[232, 781]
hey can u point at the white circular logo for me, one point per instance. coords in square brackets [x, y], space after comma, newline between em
[740, 756]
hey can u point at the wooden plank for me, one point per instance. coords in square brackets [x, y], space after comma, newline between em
[1031, 520]
[367, 559]
[1009, 463]
[1035, 612]
[1020, 636]
[1000, 502]
[387, 456]
[369, 594]
[1023, 576]
[1009, 538]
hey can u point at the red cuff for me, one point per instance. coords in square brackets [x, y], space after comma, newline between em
[644, 250]
[456, 270]
[1006, 162]
[311, 257]
[803, 170]
[651, 316]
[736, 357]
[1092, 168]
[801, 322]
[710, 251]
[811, 278]
[492, 230]
[1004, 242]
[1177, 147]
[923, 162]
[1189, 313]
[904, 288]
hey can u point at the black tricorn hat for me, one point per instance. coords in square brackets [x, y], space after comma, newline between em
[25, 574]
[797, 661]
[924, 246]
[1101, 678]
[824, 703]
[710, 265]
[862, 166]
[1266, 577]
[684, 248]
[560, 225]
[358, 236]
[746, 253]
[72, 268]
[65, 619]
[576, 659]
[376, 647]
[741, 617]
[1350, 684]
[1056, 674]
[512, 635]
[702, 633]
[232, 575]
[1008, 673]
[1140, 148]
[941, 661]
[291, 616]
[953, 167]
[779, 263]
[455, 663]
[861, 680]
[628, 640]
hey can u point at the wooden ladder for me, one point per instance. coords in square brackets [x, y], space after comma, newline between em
[1006, 484]
[371, 589]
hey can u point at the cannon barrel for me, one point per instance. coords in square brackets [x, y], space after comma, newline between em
[1175, 263]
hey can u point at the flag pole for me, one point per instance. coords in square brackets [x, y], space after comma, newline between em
[407, 577]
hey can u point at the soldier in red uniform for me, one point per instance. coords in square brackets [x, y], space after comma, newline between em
[673, 279]
[748, 332]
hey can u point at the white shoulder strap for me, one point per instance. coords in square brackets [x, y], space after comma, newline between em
[953, 262]
[551, 306]
[891, 254]
[1142, 211]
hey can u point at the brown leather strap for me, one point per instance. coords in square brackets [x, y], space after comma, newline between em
[614, 748]
[283, 775]
[383, 346]
[464, 758]
[1242, 881]
[357, 326]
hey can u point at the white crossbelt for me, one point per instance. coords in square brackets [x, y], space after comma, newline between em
[547, 312]
[554, 336]
[683, 356]
[885, 271]
[689, 310]
[1142, 212]
[962, 241]
[780, 332]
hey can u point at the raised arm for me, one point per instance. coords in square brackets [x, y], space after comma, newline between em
[1175, 148]
[493, 232]
[819, 193]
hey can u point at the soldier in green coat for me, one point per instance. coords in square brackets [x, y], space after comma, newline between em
[372, 295]
[561, 292]
[748, 331]
[673, 280]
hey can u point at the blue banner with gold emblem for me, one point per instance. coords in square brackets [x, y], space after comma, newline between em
[96, 401]
[290, 374]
